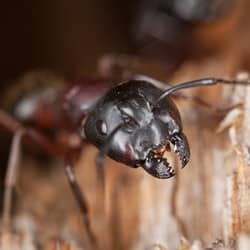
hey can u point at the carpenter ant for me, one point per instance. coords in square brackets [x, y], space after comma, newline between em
[133, 122]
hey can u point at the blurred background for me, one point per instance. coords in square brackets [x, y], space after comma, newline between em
[69, 37]
[168, 39]
[64, 36]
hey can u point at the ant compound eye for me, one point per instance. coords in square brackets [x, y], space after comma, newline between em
[129, 121]
[101, 127]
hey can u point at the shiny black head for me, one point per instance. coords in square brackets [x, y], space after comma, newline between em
[137, 132]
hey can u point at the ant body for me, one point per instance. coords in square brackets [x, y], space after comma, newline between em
[133, 122]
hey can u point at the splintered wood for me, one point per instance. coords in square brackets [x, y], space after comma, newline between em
[206, 206]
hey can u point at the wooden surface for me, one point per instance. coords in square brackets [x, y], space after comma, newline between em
[206, 206]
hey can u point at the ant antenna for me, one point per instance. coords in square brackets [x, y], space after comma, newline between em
[198, 83]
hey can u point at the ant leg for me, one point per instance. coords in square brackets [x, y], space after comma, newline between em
[13, 161]
[101, 156]
[81, 200]
[53, 149]
[11, 176]
[103, 152]
[12, 125]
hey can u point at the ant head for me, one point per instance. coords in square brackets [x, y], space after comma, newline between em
[137, 132]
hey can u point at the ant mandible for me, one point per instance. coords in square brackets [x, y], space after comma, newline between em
[134, 122]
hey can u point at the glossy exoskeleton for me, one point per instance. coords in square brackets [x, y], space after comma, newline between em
[135, 131]
[133, 122]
